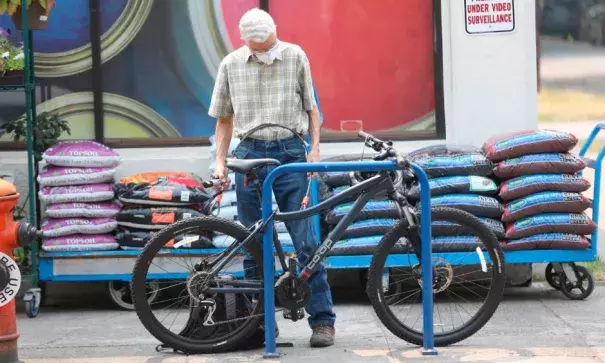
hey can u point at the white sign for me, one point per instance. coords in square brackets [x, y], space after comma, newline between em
[8, 293]
[489, 16]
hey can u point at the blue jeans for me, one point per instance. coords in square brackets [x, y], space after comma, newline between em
[289, 190]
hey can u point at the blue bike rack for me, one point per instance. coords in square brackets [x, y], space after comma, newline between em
[269, 260]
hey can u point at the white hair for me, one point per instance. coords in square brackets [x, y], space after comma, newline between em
[256, 25]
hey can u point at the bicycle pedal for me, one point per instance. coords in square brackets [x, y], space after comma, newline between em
[294, 315]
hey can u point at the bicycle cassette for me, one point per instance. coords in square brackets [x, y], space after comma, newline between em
[292, 292]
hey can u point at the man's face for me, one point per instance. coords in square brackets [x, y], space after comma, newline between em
[264, 46]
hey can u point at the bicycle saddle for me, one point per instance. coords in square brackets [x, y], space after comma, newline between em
[245, 166]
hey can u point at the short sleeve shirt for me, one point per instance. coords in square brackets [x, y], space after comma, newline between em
[254, 93]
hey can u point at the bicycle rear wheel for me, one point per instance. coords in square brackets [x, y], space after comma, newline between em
[393, 258]
[172, 320]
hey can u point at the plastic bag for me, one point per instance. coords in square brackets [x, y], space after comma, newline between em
[570, 223]
[162, 189]
[477, 205]
[77, 193]
[526, 142]
[372, 210]
[548, 241]
[54, 176]
[81, 242]
[445, 228]
[154, 218]
[84, 210]
[456, 184]
[52, 227]
[530, 184]
[539, 164]
[545, 202]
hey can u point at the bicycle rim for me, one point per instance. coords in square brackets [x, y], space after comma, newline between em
[179, 305]
[462, 283]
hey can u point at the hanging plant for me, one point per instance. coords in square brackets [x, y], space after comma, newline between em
[38, 12]
[11, 60]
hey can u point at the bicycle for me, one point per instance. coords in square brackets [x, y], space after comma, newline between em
[205, 282]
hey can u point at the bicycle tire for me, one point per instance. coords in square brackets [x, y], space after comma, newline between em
[378, 299]
[144, 311]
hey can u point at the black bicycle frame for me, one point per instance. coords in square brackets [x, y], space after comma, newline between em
[366, 190]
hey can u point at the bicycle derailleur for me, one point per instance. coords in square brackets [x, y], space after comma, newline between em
[292, 293]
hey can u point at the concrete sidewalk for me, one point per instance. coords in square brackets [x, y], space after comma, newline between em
[533, 324]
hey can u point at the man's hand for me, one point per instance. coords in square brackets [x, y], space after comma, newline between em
[220, 172]
[313, 157]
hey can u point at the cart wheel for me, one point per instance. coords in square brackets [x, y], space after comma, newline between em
[32, 300]
[121, 296]
[552, 277]
[582, 288]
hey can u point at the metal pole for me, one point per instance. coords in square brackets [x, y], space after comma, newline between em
[269, 259]
[428, 343]
[97, 71]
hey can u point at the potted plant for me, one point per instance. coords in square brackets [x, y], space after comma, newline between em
[47, 131]
[38, 12]
[11, 61]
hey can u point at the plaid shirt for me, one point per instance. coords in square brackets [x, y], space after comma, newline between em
[254, 93]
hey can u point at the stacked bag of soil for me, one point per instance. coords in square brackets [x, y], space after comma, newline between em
[226, 205]
[377, 217]
[154, 200]
[460, 176]
[76, 188]
[541, 190]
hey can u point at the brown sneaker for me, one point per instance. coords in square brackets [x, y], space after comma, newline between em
[323, 336]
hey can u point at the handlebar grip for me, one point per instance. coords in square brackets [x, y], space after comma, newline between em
[364, 135]
[211, 183]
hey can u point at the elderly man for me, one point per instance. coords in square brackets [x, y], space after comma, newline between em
[268, 81]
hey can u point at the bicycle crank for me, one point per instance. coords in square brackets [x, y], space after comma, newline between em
[292, 293]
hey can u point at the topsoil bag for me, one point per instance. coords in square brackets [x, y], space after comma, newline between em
[85, 154]
[444, 150]
[369, 227]
[549, 241]
[374, 209]
[154, 218]
[86, 210]
[446, 228]
[545, 202]
[81, 242]
[456, 184]
[477, 205]
[551, 223]
[526, 142]
[77, 193]
[162, 188]
[53, 176]
[530, 184]
[437, 166]
[62, 227]
[539, 164]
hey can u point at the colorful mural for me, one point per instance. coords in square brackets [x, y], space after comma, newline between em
[372, 63]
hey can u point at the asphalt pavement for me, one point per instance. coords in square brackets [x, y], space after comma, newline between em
[535, 324]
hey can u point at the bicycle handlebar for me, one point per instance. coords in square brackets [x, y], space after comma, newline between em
[385, 148]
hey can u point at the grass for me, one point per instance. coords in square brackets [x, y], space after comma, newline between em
[596, 268]
[555, 104]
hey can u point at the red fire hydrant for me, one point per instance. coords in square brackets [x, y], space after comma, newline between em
[12, 234]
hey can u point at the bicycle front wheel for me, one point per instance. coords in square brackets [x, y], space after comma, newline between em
[468, 281]
[180, 321]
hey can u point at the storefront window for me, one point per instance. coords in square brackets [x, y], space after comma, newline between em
[372, 62]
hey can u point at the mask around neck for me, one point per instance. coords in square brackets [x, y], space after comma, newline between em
[269, 56]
